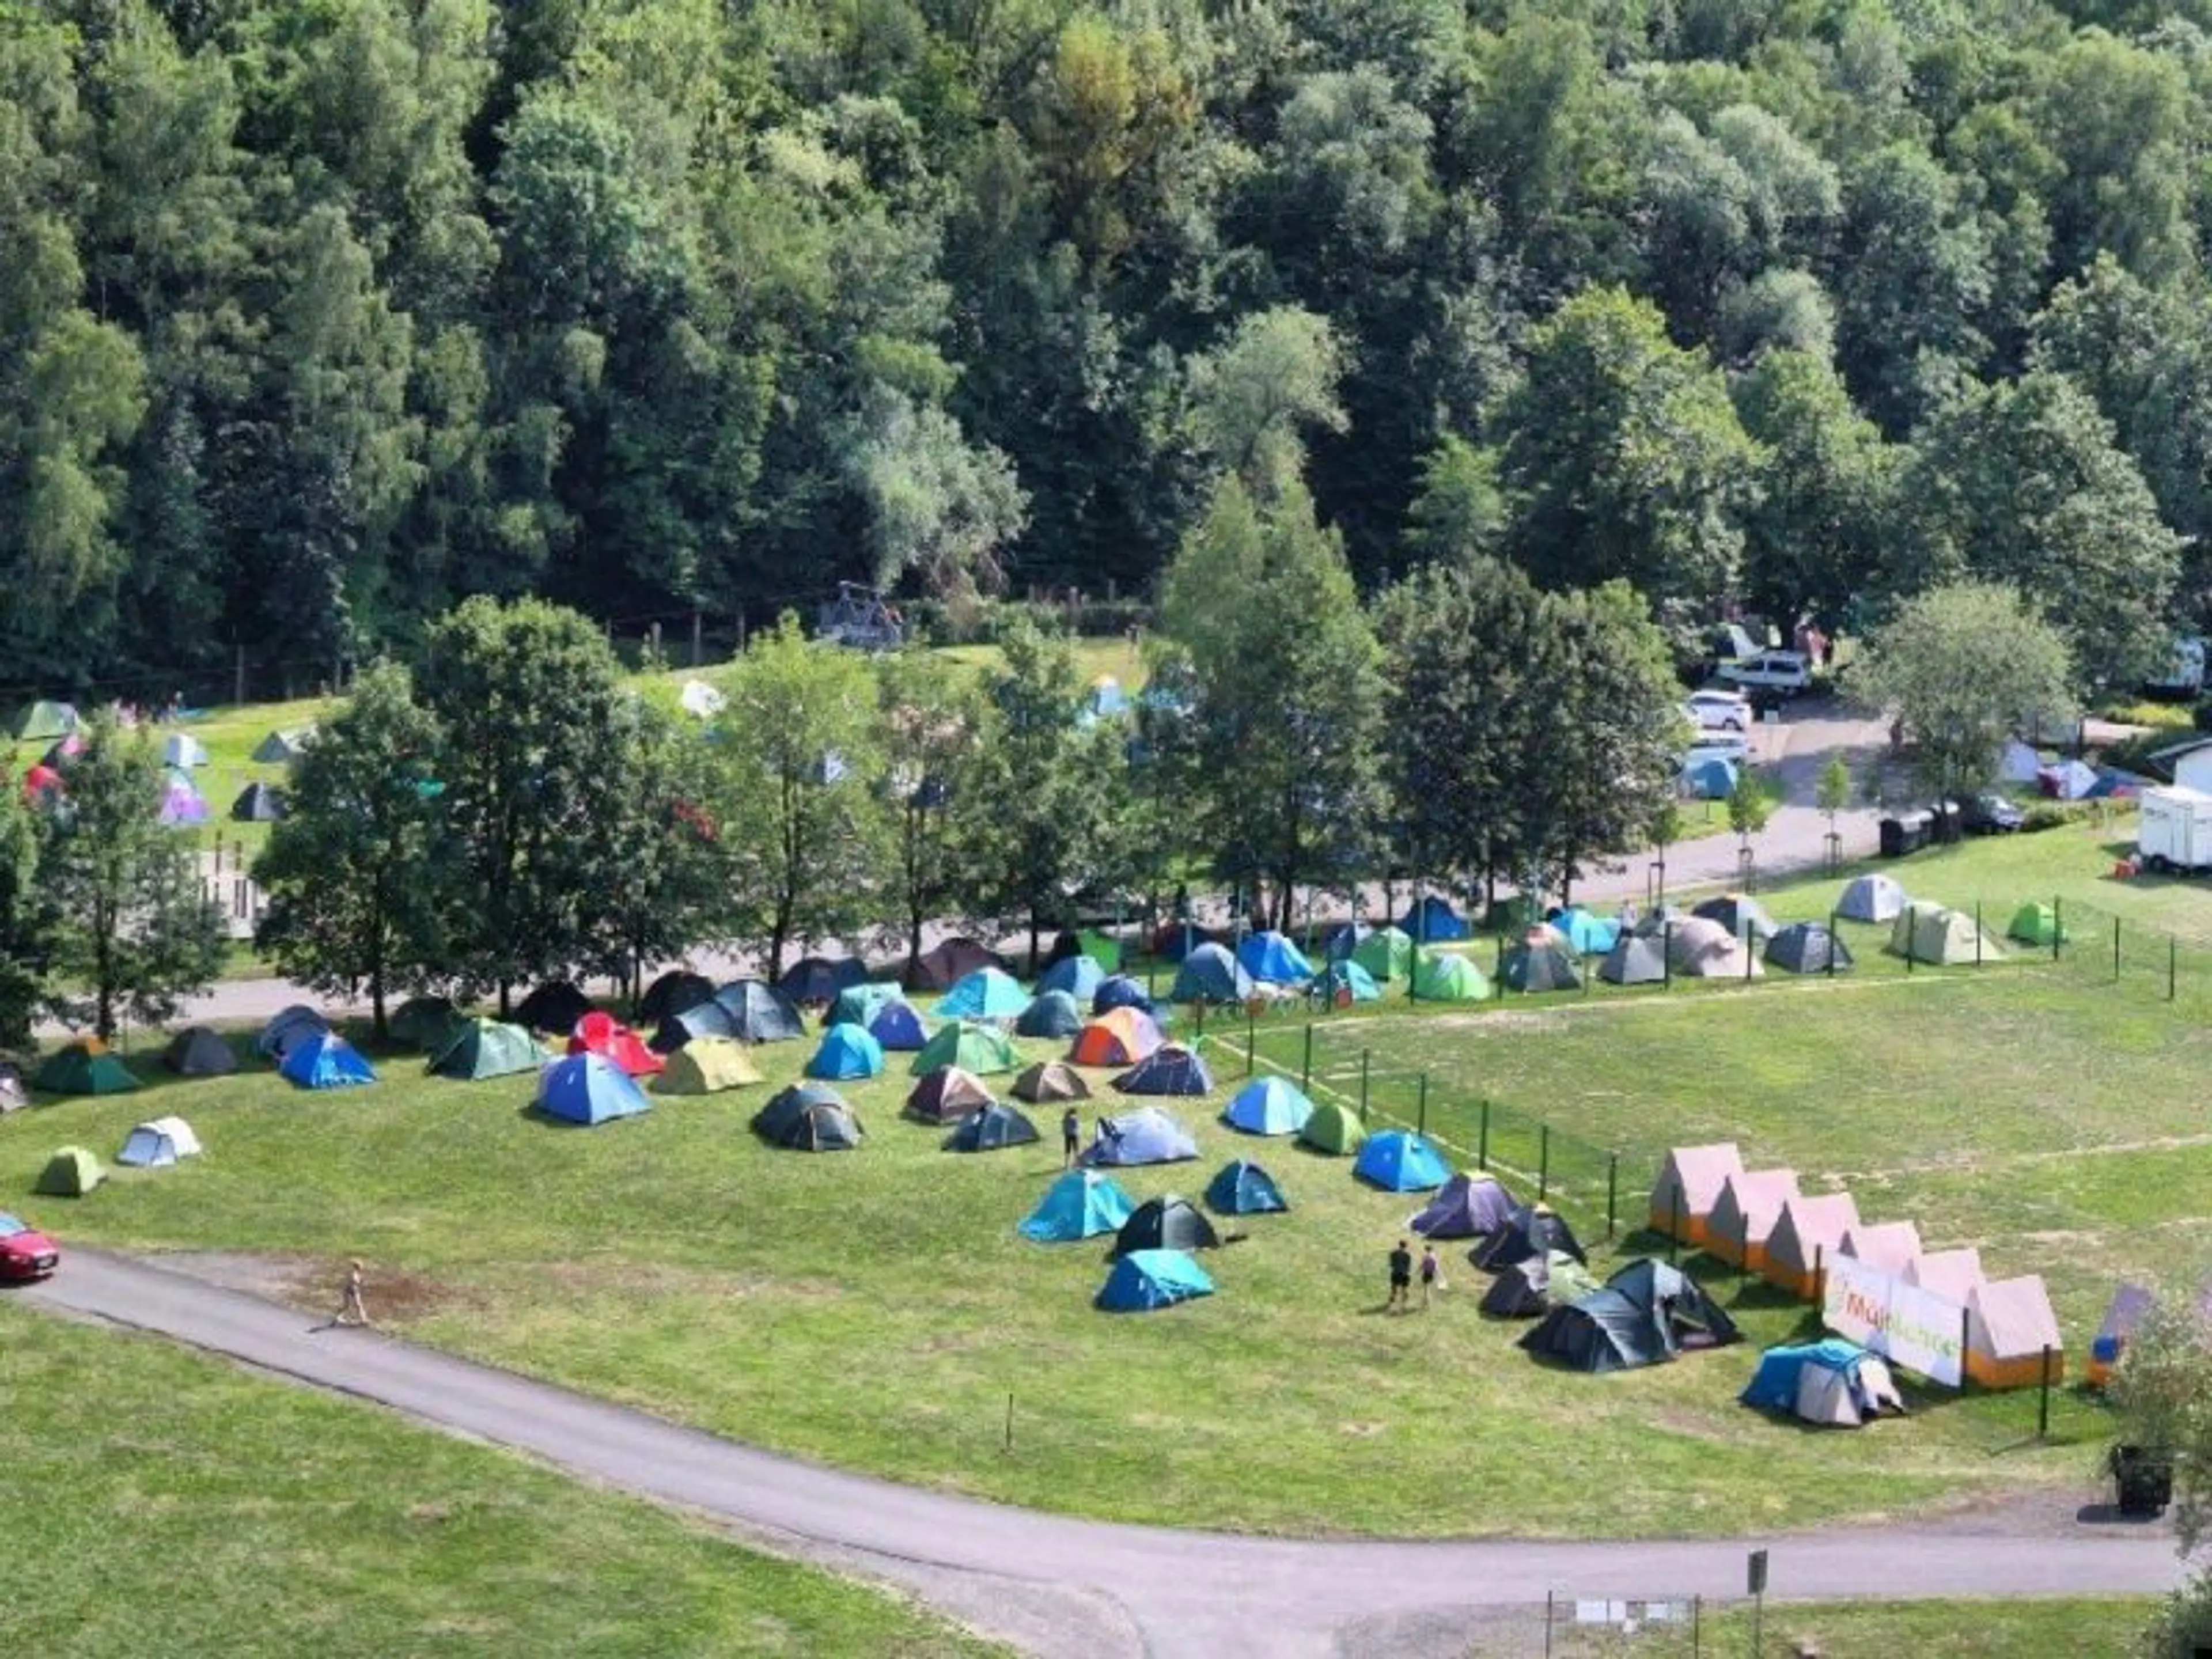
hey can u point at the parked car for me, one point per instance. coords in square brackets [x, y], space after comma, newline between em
[1991, 814]
[1786, 671]
[25, 1252]
[1716, 710]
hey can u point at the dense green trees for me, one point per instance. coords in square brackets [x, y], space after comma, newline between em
[321, 318]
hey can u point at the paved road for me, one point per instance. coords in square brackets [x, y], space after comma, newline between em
[1087, 1590]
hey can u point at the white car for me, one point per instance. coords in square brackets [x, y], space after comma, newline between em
[1786, 671]
[1713, 710]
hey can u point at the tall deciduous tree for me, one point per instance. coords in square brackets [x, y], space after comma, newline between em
[939, 729]
[351, 872]
[22, 925]
[676, 850]
[1288, 683]
[133, 933]
[1962, 667]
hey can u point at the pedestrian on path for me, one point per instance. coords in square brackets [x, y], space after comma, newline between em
[1432, 1276]
[352, 1309]
[1401, 1278]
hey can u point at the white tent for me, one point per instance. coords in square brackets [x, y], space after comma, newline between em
[157, 1143]
[182, 749]
[1950, 1274]
[2069, 780]
[1872, 898]
[1826, 1395]
[2020, 763]
[701, 699]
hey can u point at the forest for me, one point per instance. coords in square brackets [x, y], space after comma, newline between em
[322, 315]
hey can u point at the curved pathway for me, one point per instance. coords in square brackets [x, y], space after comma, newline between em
[1057, 1586]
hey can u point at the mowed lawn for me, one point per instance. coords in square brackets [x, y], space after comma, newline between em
[163, 1503]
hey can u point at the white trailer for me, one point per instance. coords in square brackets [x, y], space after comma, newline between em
[2175, 832]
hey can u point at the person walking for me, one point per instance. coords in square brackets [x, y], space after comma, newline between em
[1071, 1138]
[352, 1309]
[1401, 1278]
[1433, 1274]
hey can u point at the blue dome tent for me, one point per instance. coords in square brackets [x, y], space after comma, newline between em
[1267, 1106]
[987, 993]
[1080, 976]
[1081, 1204]
[846, 1053]
[1432, 921]
[588, 1089]
[1210, 974]
[1244, 1188]
[1148, 1136]
[1120, 991]
[325, 1061]
[1345, 982]
[1399, 1161]
[1169, 1070]
[898, 1028]
[1144, 1281]
[1054, 1014]
[1272, 959]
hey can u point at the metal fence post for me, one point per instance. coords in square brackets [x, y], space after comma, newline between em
[2173, 964]
[1666, 956]
[1251, 1037]
[2116, 950]
[1305, 1066]
[1612, 1193]
[1482, 1137]
[2042, 1400]
[1977, 932]
[1832, 946]
[2058, 924]
[1362, 1085]
[1543, 1161]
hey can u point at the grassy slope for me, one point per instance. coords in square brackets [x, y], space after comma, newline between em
[172, 1505]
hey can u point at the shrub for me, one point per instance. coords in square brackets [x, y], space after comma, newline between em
[2165, 716]
[2055, 814]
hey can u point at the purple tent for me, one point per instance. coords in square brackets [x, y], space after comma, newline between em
[182, 804]
[1469, 1206]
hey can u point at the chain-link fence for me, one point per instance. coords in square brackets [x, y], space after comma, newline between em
[1615, 1625]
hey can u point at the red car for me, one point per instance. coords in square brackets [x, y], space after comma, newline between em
[25, 1252]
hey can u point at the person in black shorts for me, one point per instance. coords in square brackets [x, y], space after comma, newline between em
[1401, 1278]
[1071, 1138]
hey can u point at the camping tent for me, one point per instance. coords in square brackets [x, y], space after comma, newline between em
[1744, 1214]
[288, 1028]
[1888, 1246]
[1947, 1274]
[1272, 959]
[83, 1068]
[945, 963]
[1931, 932]
[846, 1053]
[1469, 1206]
[1830, 1381]
[897, 1026]
[1171, 1069]
[1104, 950]
[1148, 1136]
[1805, 1235]
[258, 803]
[2019, 763]
[325, 1061]
[706, 1066]
[1586, 934]
[1150, 1280]
[819, 979]
[757, 1013]
[1340, 984]
[1530, 1231]
[2009, 1329]
[198, 1051]
[602, 1035]
[1647, 1312]
[1341, 941]
[1530, 1289]
[426, 1023]
[69, 1173]
[2067, 780]
[1741, 916]
[1049, 1082]
[698, 1024]
[1709, 778]
[808, 1117]
[181, 802]
[41, 780]
[1053, 1014]
[282, 748]
[1432, 921]
[994, 1129]
[42, 720]
[2037, 924]
[987, 993]
[1807, 947]
[555, 1005]
[1386, 954]
[982, 1050]
[1333, 1129]
[1539, 963]
[1081, 1204]
[700, 700]
[1243, 1187]
[1701, 948]
[588, 1089]
[1444, 977]
[1634, 960]
[1120, 1037]
[1210, 974]
[1077, 976]
[182, 749]
[1119, 991]
[672, 993]
[1267, 1105]
[1688, 1184]
[1165, 1223]
[1872, 898]
[14, 1095]
[1399, 1161]
[947, 1093]
[479, 1048]
[858, 1004]
[158, 1144]
[2131, 1305]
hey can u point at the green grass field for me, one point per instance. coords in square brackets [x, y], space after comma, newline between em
[2081, 1629]
[168, 1504]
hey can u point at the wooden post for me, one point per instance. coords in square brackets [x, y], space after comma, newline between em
[1305, 1065]
[1543, 1161]
[1362, 1085]
[1819, 1275]
[1612, 1193]
[1421, 1111]
[2116, 949]
[2043, 1402]
[1250, 1037]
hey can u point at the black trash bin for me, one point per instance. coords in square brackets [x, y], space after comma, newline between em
[2144, 1479]
[1948, 822]
[1892, 839]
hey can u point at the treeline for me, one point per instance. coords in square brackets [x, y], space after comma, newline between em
[319, 316]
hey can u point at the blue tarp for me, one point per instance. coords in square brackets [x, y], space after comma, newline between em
[1081, 1204]
[896, 1027]
[1210, 974]
[1145, 1279]
[325, 1061]
[1398, 1161]
[1432, 921]
[1172, 1070]
[1149, 1136]
[987, 993]
[1273, 959]
[1586, 934]
[1267, 1106]
[847, 1052]
[1244, 1188]
[585, 1089]
[1079, 976]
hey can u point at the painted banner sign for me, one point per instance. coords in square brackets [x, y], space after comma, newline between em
[1904, 1324]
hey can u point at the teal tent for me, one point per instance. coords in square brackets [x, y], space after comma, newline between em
[1244, 1188]
[1267, 1105]
[1145, 1281]
[858, 1004]
[846, 1053]
[1081, 1204]
[987, 993]
[1398, 1161]
[1342, 983]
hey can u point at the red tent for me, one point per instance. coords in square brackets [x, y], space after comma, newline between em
[39, 780]
[608, 1037]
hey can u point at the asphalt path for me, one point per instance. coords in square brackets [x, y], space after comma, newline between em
[1059, 1587]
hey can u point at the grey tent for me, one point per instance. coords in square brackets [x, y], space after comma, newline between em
[1050, 1081]
[1533, 1230]
[1468, 1206]
[1054, 1014]
[258, 803]
[1872, 898]
[808, 1117]
[1531, 1289]
[282, 748]
[1539, 963]
[710, 1018]
[555, 1005]
[992, 1129]
[945, 963]
[1646, 1313]
[1166, 1222]
[198, 1051]
[758, 1013]
[1807, 947]
[1635, 959]
[948, 1093]
[677, 989]
[426, 1023]
[1741, 916]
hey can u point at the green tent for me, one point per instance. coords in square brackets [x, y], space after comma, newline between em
[1386, 954]
[1444, 976]
[42, 722]
[1931, 933]
[1101, 950]
[481, 1048]
[2037, 924]
[982, 1050]
[427, 1022]
[706, 1066]
[1333, 1129]
[81, 1069]
[69, 1173]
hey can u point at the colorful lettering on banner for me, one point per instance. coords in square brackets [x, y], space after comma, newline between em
[1904, 1324]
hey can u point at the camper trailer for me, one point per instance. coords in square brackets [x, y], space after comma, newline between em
[2175, 830]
